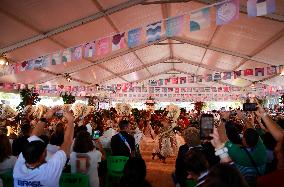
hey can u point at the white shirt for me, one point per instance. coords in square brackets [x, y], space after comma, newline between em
[7, 164]
[51, 150]
[87, 163]
[46, 175]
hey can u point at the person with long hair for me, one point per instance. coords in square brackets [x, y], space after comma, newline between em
[7, 161]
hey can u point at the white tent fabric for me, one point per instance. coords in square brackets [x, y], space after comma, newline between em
[33, 28]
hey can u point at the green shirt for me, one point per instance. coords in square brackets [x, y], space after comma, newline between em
[240, 157]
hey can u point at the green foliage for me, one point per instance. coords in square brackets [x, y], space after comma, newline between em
[282, 99]
[67, 98]
[28, 98]
[136, 114]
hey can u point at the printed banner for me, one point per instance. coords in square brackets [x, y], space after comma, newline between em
[260, 7]
[134, 37]
[103, 46]
[153, 31]
[77, 53]
[227, 11]
[200, 20]
[90, 49]
[118, 42]
[174, 26]
[66, 56]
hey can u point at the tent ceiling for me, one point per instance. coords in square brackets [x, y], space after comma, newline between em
[244, 43]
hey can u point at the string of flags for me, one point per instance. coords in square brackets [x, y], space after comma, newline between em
[226, 12]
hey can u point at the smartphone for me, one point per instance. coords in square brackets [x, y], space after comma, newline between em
[59, 113]
[249, 107]
[96, 135]
[206, 126]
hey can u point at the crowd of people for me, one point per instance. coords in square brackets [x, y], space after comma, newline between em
[245, 148]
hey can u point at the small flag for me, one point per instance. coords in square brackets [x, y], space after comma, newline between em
[38, 62]
[190, 79]
[103, 46]
[260, 7]
[134, 37]
[152, 83]
[174, 26]
[214, 89]
[199, 78]
[175, 80]
[90, 49]
[217, 76]
[153, 31]
[259, 71]
[56, 58]
[227, 75]
[176, 90]
[237, 74]
[167, 81]
[160, 82]
[271, 70]
[227, 11]
[226, 89]
[248, 72]
[30, 65]
[182, 80]
[170, 89]
[200, 20]
[118, 42]
[208, 78]
[46, 60]
[77, 53]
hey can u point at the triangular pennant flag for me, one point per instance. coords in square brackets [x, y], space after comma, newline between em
[90, 49]
[227, 11]
[118, 42]
[200, 19]
[174, 26]
[182, 80]
[237, 74]
[153, 31]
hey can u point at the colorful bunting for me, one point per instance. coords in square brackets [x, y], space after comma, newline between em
[259, 71]
[66, 56]
[77, 53]
[248, 72]
[227, 11]
[200, 19]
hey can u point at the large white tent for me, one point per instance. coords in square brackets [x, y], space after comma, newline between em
[33, 28]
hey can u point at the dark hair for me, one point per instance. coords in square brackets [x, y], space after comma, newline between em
[123, 124]
[269, 141]
[26, 129]
[232, 132]
[83, 142]
[251, 137]
[134, 173]
[224, 175]
[5, 147]
[196, 162]
[19, 144]
[78, 129]
[33, 150]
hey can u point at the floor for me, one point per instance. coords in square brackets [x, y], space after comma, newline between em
[158, 173]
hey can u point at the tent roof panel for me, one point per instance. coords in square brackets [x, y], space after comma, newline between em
[137, 75]
[189, 52]
[153, 53]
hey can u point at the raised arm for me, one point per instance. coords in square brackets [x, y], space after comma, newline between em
[40, 125]
[69, 133]
[276, 131]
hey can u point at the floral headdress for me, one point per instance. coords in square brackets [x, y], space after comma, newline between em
[173, 112]
[123, 109]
